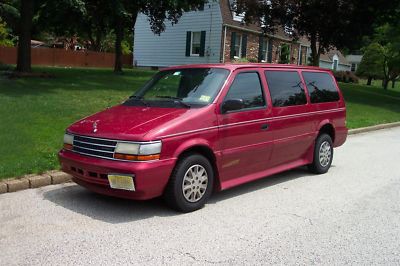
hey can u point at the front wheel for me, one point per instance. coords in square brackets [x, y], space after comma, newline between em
[323, 155]
[190, 184]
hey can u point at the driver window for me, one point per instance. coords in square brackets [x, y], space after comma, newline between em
[247, 86]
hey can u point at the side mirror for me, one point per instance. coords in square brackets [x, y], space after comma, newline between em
[232, 105]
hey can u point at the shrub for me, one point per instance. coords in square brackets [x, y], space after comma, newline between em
[240, 60]
[5, 67]
[245, 60]
[346, 76]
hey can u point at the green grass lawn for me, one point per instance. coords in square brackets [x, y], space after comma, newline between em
[378, 83]
[370, 105]
[34, 112]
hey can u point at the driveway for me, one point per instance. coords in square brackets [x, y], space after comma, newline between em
[350, 215]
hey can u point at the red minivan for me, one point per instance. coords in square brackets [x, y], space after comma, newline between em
[192, 129]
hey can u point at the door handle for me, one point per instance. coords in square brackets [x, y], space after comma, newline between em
[264, 127]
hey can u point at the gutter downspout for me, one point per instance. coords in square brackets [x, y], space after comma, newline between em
[209, 36]
[223, 48]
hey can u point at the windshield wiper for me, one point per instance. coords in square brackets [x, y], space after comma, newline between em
[169, 97]
[176, 99]
[138, 98]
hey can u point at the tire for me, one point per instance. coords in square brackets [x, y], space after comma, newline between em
[187, 189]
[324, 148]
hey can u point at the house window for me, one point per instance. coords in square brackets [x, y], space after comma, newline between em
[196, 43]
[265, 55]
[353, 67]
[335, 64]
[238, 46]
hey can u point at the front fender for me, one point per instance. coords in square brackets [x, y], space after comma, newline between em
[191, 143]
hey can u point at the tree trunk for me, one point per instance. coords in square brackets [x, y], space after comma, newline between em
[119, 35]
[369, 82]
[315, 52]
[24, 37]
[385, 83]
[393, 83]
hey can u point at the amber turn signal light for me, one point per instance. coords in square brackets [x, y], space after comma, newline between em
[130, 157]
[68, 146]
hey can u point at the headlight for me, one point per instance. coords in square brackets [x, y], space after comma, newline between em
[127, 148]
[68, 141]
[138, 151]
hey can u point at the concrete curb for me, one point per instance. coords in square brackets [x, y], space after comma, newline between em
[373, 128]
[34, 181]
[57, 177]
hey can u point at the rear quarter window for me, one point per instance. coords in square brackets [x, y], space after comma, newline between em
[321, 87]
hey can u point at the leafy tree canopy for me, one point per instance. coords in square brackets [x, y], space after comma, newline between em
[371, 65]
[325, 23]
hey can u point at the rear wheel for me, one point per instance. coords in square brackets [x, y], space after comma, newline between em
[190, 184]
[323, 154]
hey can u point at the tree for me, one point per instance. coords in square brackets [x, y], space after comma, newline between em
[4, 35]
[20, 16]
[93, 18]
[388, 36]
[284, 54]
[325, 23]
[371, 65]
[25, 36]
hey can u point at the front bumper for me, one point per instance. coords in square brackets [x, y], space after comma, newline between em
[150, 177]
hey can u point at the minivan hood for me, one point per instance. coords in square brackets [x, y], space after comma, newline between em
[125, 122]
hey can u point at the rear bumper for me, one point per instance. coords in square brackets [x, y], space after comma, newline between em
[340, 136]
[150, 178]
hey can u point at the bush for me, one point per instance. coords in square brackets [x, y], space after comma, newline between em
[346, 76]
[5, 67]
[245, 60]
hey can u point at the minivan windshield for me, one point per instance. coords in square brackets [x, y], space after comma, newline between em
[184, 87]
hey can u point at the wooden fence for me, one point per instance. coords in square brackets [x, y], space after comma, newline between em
[61, 57]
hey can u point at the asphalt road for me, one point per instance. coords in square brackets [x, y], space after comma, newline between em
[350, 215]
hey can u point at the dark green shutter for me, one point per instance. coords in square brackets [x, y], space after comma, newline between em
[233, 38]
[244, 46]
[261, 54]
[269, 59]
[202, 43]
[188, 42]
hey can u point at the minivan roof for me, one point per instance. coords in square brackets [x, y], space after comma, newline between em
[232, 66]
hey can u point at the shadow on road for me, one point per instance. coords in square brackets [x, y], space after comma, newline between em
[260, 184]
[115, 210]
[105, 208]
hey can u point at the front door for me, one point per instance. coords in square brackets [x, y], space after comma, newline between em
[246, 140]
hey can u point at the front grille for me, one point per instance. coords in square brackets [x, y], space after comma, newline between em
[94, 147]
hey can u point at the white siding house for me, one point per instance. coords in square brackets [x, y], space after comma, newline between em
[195, 39]
[354, 61]
[217, 34]
[334, 60]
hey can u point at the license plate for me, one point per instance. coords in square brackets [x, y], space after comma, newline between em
[124, 182]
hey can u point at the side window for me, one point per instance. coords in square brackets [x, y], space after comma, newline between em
[247, 86]
[321, 87]
[286, 88]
